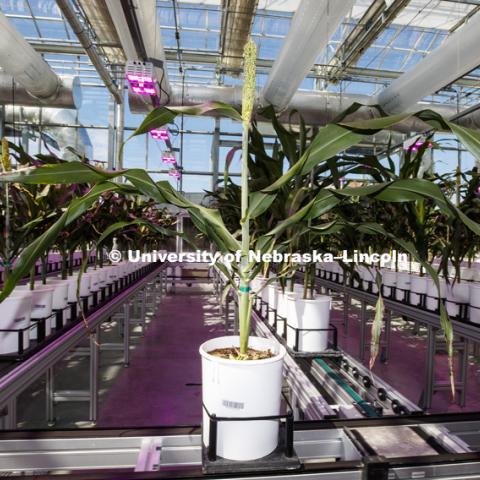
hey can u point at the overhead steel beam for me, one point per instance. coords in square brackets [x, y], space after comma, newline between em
[26, 72]
[237, 19]
[378, 16]
[90, 49]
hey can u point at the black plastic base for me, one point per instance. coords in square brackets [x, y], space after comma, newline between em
[275, 461]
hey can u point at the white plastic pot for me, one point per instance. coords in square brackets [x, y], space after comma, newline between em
[15, 313]
[70, 286]
[389, 279]
[94, 280]
[242, 388]
[272, 302]
[432, 293]
[418, 286]
[370, 276]
[457, 293]
[85, 282]
[281, 311]
[308, 314]
[475, 302]
[403, 283]
[42, 298]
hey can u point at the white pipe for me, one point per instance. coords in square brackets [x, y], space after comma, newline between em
[313, 24]
[317, 108]
[457, 56]
[68, 95]
[64, 135]
[20, 60]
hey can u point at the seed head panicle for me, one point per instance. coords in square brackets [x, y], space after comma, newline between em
[249, 80]
[6, 165]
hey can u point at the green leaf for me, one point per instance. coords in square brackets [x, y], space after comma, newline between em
[258, 203]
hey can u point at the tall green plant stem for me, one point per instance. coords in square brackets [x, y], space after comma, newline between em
[248, 95]
[245, 307]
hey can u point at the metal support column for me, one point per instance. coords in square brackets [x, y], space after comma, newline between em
[126, 334]
[363, 330]
[49, 390]
[463, 360]
[120, 118]
[426, 400]
[2, 121]
[215, 153]
[94, 367]
[112, 107]
[386, 339]
[10, 415]
[346, 305]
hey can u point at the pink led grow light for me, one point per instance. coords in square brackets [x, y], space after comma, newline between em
[415, 146]
[160, 134]
[141, 78]
[169, 158]
[175, 173]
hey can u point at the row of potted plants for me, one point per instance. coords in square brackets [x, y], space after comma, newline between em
[303, 208]
[461, 298]
[32, 315]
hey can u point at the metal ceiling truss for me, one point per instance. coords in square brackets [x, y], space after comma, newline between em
[377, 17]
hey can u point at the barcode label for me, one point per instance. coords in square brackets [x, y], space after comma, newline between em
[235, 405]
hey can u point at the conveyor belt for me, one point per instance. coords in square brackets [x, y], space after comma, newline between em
[399, 447]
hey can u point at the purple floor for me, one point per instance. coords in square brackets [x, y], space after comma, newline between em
[161, 386]
[154, 389]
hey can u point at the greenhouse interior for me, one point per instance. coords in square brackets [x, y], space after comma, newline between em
[240, 239]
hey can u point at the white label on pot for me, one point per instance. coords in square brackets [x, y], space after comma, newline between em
[235, 405]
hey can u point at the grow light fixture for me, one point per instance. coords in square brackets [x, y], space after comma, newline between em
[141, 78]
[169, 158]
[175, 173]
[160, 134]
[414, 144]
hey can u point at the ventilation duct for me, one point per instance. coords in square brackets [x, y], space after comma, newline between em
[58, 123]
[313, 24]
[68, 95]
[457, 56]
[317, 108]
[20, 61]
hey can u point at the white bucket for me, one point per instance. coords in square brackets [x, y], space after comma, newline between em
[15, 313]
[272, 301]
[85, 281]
[42, 298]
[403, 283]
[370, 276]
[242, 388]
[94, 280]
[70, 286]
[308, 314]
[432, 293]
[281, 312]
[418, 286]
[475, 302]
[389, 279]
[457, 293]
